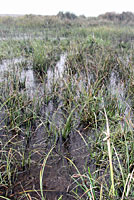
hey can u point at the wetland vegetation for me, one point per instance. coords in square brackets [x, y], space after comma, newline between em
[67, 107]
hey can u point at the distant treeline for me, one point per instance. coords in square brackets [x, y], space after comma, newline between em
[124, 17]
[67, 19]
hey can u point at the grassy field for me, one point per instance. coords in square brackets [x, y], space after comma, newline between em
[66, 108]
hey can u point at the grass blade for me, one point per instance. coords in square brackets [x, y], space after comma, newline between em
[42, 172]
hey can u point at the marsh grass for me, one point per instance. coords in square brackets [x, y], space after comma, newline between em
[98, 73]
[45, 55]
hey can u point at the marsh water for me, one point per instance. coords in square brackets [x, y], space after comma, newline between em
[59, 169]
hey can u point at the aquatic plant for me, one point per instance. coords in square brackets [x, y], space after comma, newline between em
[81, 120]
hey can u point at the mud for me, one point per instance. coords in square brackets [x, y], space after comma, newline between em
[59, 170]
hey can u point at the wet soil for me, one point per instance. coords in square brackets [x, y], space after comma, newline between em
[57, 179]
[59, 170]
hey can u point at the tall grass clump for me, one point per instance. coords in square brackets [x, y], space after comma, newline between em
[45, 55]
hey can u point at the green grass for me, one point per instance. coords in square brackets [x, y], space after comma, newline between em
[93, 101]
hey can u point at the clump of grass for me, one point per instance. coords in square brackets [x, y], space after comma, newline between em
[45, 55]
[67, 127]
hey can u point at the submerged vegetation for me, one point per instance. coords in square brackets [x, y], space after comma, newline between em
[67, 107]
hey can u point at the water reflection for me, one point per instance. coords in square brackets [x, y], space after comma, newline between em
[54, 75]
